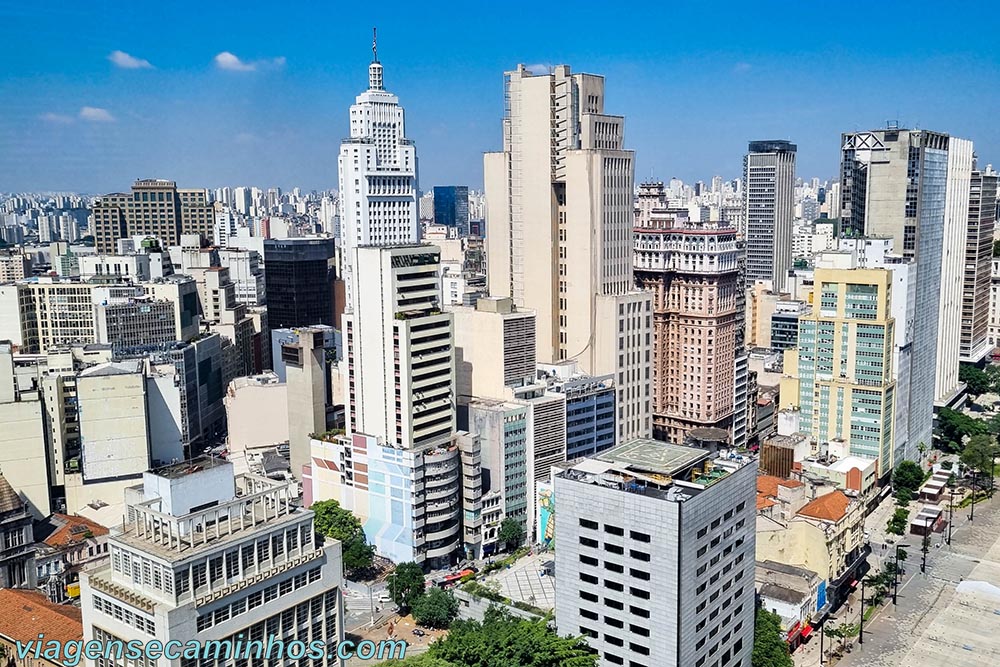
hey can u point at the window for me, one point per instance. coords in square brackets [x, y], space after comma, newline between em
[587, 542]
[638, 574]
[640, 537]
[639, 555]
[587, 560]
[586, 523]
[586, 613]
[638, 611]
[590, 579]
[614, 530]
[638, 592]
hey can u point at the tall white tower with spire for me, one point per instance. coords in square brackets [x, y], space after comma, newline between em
[378, 177]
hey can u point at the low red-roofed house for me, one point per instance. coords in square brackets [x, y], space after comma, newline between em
[826, 535]
[66, 544]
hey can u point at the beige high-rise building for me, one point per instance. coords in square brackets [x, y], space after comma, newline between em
[975, 343]
[559, 242]
[692, 270]
[155, 207]
[494, 348]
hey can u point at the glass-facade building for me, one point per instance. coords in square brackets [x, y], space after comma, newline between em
[847, 389]
[299, 276]
[451, 207]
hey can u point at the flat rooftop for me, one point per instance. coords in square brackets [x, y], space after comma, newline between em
[183, 468]
[653, 456]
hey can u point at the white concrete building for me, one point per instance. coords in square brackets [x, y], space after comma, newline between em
[378, 178]
[205, 555]
[769, 203]
[655, 555]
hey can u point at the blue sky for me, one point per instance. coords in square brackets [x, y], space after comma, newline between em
[695, 81]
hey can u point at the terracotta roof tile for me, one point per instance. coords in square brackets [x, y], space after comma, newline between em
[829, 507]
[763, 502]
[26, 614]
[73, 529]
[768, 485]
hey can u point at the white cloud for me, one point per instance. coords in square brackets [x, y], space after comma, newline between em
[96, 115]
[233, 63]
[128, 61]
[740, 68]
[56, 118]
[229, 61]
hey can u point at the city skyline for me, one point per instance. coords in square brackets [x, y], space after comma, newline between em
[262, 101]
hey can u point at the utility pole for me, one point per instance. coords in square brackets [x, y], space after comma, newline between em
[371, 604]
[895, 575]
[925, 546]
[972, 512]
[951, 513]
[823, 625]
[861, 621]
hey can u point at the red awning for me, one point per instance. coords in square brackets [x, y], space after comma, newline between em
[806, 631]
[854, 584]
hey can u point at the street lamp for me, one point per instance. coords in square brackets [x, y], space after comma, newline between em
[821, 626]
[925, 545]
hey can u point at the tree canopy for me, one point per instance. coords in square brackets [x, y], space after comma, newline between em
[953, 426]
[436, 608]
[980, 452]
[511, 533]
[908, 476]
[502, 640]
[769, 646]
[975, 379]
[406, 584]
[341, 524]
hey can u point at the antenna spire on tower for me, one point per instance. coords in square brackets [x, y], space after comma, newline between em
[374, 45]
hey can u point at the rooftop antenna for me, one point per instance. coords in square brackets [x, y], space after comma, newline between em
[374, 45]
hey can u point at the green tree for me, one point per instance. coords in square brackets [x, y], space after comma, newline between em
[980, 452]
[511, 533]
[436, 608]
[897, 524]
[996, 248]
[502, 640]
[976, 379]
[406, 584]
[953, 426]
[769, 646]
[907, 475]
[904, 496]
[334, 521]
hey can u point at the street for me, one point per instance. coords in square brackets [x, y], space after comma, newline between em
[950, 615]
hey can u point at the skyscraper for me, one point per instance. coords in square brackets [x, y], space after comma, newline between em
[378, 177]
[844, 363]
[975, 342]
[299, 278]
[155, 207]
[769, 202]
[655, 555]
[913, 186]
[559, 217]
[451, 207]
[692, 270]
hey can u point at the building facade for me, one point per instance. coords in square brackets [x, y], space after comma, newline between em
[844, 364]
[769, 202]
[208, 555]
[560, 217]
[655, 555]
[155, 207]
[692, 271]
[299, 281]
[913, 186]
[975, 343]
[378, 179]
